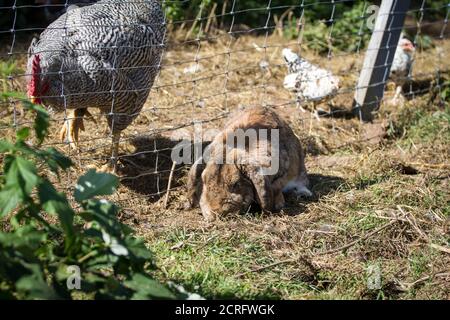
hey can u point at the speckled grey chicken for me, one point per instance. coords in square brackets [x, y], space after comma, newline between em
[105, 55]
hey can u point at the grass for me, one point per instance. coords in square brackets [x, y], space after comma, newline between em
[213, 269]
[423, 127]
[419, 263]
[218, 268]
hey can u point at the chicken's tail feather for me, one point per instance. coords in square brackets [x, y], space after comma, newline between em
[289, 55]
[292, 59]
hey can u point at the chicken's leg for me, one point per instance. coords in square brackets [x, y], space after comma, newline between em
[111, 165]
[314, 114]
[73, 124]
[398, 93]
[398, 98]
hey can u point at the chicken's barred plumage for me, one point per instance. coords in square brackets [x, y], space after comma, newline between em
[105, 55]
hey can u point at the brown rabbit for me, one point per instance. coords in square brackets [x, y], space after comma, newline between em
[221, 185]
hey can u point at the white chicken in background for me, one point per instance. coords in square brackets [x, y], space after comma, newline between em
[401, 66]
[310, 82]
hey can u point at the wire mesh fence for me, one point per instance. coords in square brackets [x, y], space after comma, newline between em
[217, 56]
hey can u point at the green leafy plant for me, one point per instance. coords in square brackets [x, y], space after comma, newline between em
[351, 31]
[423, 42]
[445, 91]
[347, 33]
[8, 69]
[315, 37]
[43, 238]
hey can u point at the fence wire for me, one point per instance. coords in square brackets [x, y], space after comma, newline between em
[226, 55]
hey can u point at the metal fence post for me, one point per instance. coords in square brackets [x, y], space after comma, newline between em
[379, 57]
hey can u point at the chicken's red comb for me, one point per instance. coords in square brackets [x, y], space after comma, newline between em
[35, 71]
[36, 64]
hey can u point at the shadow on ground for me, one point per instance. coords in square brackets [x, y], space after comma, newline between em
[147, 170]
[321, 185]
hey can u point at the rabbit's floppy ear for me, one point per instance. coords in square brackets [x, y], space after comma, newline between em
[263, 188]
[194, 183]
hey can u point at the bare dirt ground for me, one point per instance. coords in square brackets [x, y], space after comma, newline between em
[378, 226]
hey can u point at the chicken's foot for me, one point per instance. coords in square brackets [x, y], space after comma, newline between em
[111, 165]
[72, 126]
[398, 98]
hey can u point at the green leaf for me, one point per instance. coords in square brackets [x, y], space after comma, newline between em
[94, 278]
[19, 146]
[25, 236]
[63, 271]
[34, 285]
[41, 123]
[95, 184]
[63, 161]
[7, 161]
[114, 244]
[9, 199]
[91, 282]
[104, 215]
[6, 146]
[21, 178]
[22, 174]
[56, 203]
[23, 133]
[42, 120]
[102, 261]
[145, 288]
[28, 172]
[137, 248]
[55, 159]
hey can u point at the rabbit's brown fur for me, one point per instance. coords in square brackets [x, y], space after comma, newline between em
[223, 186]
